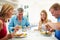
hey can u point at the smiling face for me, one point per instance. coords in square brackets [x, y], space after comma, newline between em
[43, 15]
[9, 13]
[20, 15]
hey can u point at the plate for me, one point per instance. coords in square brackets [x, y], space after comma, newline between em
[46, 33]
[22, 35]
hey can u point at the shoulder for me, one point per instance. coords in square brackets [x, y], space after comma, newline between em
[24, 18]
[1, 22]
[13, 17]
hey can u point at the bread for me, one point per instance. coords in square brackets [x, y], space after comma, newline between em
[43, 32]
[21, 35]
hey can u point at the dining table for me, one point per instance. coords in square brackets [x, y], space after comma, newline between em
[33, 34]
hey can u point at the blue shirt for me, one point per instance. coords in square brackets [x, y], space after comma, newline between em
[14, 21]
[57, 32]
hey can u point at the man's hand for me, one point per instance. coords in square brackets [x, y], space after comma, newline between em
[50, 25]
[49, 28]
[16, 28]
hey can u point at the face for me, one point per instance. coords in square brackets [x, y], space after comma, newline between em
[54, 13]
[10, 13]
[43, 16]
[20, 14]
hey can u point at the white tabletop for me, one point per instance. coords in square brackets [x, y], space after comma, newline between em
[35, 35]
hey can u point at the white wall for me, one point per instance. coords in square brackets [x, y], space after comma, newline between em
[35, 7]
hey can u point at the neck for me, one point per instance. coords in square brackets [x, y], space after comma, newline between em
[19, 19]
[44, 21]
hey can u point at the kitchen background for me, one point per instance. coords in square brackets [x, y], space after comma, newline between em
[32, 8]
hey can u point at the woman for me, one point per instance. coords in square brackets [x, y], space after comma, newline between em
[5, 13]
[43, 21]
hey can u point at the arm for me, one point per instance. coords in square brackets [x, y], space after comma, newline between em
[55, 26]
[39, 27]
[1, 25]
[27, 23]
[11, 24]
[6, 37]
[49, 28]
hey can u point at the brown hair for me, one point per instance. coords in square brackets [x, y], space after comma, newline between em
[44, 11]
[55, 6]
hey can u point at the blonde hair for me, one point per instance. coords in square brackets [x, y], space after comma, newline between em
[5, 8]
[45, 21]
[44, 11]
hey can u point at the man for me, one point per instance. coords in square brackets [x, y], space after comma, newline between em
[17, 21]
[55, 11]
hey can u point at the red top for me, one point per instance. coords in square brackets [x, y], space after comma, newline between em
[3, 32]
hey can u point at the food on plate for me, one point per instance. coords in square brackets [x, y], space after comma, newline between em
[18, 34]
[46, 32]
[49, 33]
[21, 35]
[24, 35]
[43, 32]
